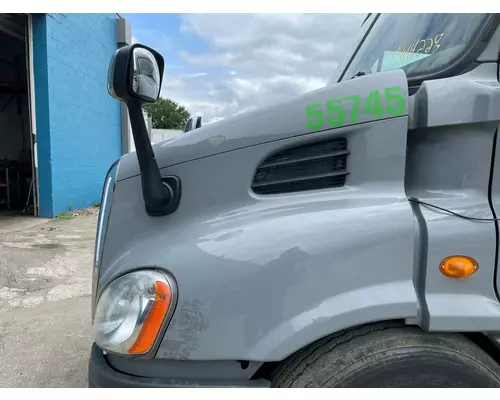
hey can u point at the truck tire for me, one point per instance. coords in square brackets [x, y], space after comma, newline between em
[389, 355]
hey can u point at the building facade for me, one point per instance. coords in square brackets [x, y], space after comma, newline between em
[77, 129]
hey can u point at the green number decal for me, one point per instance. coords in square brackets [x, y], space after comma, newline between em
[315, 115]
[373, 104]
[394, 95]
[335, 107]
[355, 107]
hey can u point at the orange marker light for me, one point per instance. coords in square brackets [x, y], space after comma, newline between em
[458, 266]
[153, 321]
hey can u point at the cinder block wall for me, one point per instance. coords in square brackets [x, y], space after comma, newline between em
[78, 123]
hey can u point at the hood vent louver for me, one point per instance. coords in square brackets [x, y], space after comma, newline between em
[307, 167]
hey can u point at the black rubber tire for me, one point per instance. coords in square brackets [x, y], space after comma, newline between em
[389, 355]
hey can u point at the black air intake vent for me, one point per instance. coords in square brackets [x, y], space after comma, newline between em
[307, 167]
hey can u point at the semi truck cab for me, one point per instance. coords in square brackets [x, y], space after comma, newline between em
[344, 238]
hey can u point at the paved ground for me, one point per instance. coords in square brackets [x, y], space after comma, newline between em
[45, 287]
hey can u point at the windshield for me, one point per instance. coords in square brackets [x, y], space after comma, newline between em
[420, 44]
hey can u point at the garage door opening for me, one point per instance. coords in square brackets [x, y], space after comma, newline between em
[17, 170]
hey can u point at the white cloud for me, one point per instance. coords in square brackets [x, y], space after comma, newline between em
[196, 75]
[276, 57]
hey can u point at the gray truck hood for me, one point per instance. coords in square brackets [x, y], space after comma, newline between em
[267, 124]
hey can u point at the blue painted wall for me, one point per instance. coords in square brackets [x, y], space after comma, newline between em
[78, 123]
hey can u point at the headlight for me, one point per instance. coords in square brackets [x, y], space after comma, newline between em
[131, 312]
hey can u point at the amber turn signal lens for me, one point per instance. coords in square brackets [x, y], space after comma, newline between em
[458, 266]
[153, 321]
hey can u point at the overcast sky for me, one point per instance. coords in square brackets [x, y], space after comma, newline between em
[218, 65]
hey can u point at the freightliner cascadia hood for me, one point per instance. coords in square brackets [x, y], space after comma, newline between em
[369, 98]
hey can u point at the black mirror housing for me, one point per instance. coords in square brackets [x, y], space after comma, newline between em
[136, 74]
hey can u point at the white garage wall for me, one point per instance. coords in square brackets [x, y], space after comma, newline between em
[160, 135]
[131, 144]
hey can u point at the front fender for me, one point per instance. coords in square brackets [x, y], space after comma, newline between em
[270, 279]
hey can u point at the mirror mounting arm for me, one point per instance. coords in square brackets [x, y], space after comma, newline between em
[158, 193]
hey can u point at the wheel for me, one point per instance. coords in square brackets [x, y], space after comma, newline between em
[389, 355]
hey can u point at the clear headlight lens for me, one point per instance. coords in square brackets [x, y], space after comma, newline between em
[131, 311]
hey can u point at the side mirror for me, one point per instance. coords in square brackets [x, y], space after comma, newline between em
[136, 74]
[135, 77]
[193, 123]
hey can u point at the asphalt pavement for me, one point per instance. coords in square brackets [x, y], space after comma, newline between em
[45, 287]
